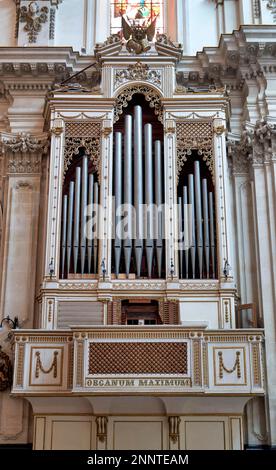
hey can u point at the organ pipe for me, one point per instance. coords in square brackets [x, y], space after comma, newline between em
[199, 234]
[64, 227]
[70, 224]
[197, 221]
[192, 205]
[90, 214]
[180, 222]
[206, 226]
[138, 186]
[187, 229]
[128, 187]
[149, 195]
[118, 199]
[83, 210]
[77, 218]
[212, 233]
[158, 203]
[96, 224]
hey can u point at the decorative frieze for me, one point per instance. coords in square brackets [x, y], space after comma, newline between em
[138, 72]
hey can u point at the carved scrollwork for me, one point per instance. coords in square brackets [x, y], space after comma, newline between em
[150, 95]
[193, 135]
[138, 71]
[24, 152]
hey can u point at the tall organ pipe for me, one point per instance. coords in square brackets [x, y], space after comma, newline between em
[192, 206]
[206, 226]
[70, 224]
[187, 230]
[77, 219]
[64, 226]
[90, 213]
[212, 233]
[149, 195]
[96, 225]
[118, 200]
[128, 188]
[83, 210]
[199, 234]
[158, 203]
[180, 237]
[138, 186]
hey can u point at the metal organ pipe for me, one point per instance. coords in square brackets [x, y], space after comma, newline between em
[192, 204]
[96, 225]
[64, 227]
[138, 186]
[180, 237]
[199, 234]
[206, 226]
[77, 219]
[197, 219]
[128, 187]
[90, 214]
[118, 199]
[83, 210]
[149, 195]
[187, 230]
[70, 224]
[158, 203]
[212, 233]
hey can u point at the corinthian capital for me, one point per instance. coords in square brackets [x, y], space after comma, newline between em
[24, 143]
[23, 152]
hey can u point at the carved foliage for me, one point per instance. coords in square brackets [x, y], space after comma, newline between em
[34, 17]
[138, 71]
[24, 152]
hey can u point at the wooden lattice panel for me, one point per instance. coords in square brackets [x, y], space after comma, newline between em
[82, 129]
[138, 358]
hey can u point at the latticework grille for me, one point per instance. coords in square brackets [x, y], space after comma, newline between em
[138, 358]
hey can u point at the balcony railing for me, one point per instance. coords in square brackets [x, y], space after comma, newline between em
[147, 360]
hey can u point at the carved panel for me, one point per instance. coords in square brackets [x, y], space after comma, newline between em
[229, 366]
[46, 366]
[138, 358]
[138, 71]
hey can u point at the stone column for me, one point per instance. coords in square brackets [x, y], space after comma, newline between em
[22, 163]
[22, 160]
[264, 190]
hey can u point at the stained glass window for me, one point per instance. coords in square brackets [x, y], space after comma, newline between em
[141, 12]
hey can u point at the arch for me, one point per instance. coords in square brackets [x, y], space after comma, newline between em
[125, 94]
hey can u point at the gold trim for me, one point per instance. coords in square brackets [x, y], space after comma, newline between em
[234, 349]
[61, 348]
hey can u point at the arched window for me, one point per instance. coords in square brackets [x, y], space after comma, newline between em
[140, 11]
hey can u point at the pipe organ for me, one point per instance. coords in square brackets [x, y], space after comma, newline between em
[138, 186]
[197, 246]
[79, 244]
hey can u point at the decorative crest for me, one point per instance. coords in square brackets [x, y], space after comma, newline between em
[137, 35]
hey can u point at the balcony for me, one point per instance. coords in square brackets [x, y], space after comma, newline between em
[118, 360]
